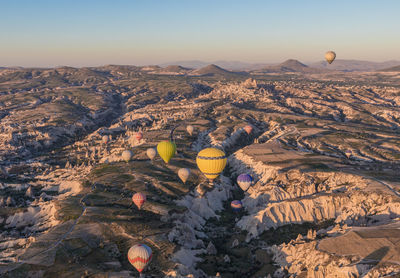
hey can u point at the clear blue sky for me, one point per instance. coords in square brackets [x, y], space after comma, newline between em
[97, 32]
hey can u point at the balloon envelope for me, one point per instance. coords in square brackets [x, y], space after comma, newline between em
[236, 205]
[348, 153]
[138, 136]
[140, 256]
[151, 153]
[190, 129]
[127, 155]
[166, 149]
[244, 181]
[139, 199]
[105, 139]
[330, 56]
[184, 174]
[211, 162]
[248, 129]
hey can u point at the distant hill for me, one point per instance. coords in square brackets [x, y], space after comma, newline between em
[290, 65]
[194, 64]
[175, 68]
[396, 68]
[212, 69]
[354, 65]
[229, 65]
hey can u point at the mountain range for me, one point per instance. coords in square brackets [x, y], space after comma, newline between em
[337, 65]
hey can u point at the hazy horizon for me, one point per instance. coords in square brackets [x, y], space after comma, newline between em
[71, 33]
[183, 62]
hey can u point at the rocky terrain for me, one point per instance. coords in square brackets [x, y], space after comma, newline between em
[324, 153]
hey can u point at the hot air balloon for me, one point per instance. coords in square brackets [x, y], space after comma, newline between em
[138, 136]
[244, 181]
[105, 139]
[140, 256]
[211, 162]
[248, 129]
[348, 153]
[236, 205]
[127, 155]
[190, 129]
[166, 149]
[183, 174]
[151, 153]
[139, 199]
[330, 56]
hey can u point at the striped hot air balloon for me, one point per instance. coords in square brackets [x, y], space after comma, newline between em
[139, 199]
[211, 162]
[348, 153]
[140, 256]
[166, 149]
[248, 129]
[236, 205]
[244, 181]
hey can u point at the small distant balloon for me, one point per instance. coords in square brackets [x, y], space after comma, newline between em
[138, 136]
[140, 256]
[127, 155]
[190, 129]
[151, 153]
[139, 199]
[184, 174]
[105, 139]
[236, 205]
[330, 56]
[248, 129]
[348, 153]
[244, 181]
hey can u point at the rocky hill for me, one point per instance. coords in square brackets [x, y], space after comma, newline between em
[213, 70]
[396, 68]
[289, 66]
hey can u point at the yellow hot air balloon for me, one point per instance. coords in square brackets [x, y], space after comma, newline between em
[166, 149]
[330, 56]
[211, 162]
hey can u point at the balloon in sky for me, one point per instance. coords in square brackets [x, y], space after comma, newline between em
[127, 155]
[190, 129]
[183, 174]
[236, 205]
[139, 199]
[105, 139]
[151, 153]
[348, 153]
[244, 181]
[140, 256]
[138, 136]
[166, 149]
[211, 162]
[330, 56]
[248, 129]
